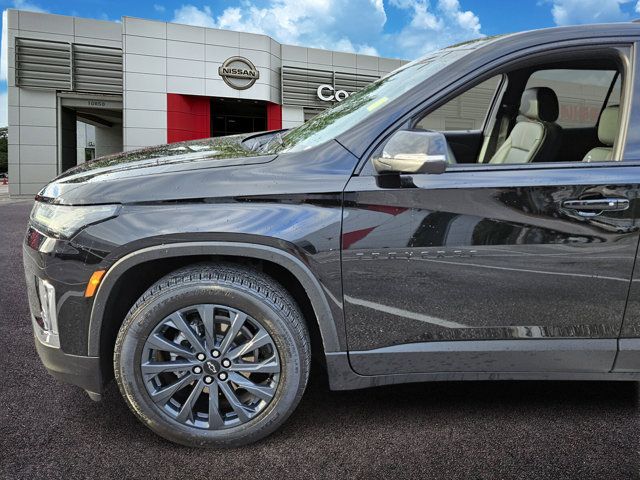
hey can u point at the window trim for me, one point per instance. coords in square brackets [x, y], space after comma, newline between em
[626, 49]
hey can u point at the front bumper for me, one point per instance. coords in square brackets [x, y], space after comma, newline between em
[75, 369]
[56, 274]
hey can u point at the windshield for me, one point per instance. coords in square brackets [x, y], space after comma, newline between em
[344, 115]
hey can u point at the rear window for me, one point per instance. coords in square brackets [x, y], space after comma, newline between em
[581, 93]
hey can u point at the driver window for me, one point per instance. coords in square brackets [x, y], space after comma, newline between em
[547, 114]
[467, 111]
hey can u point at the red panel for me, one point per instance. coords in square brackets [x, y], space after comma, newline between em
[188, 117]
[274, 116]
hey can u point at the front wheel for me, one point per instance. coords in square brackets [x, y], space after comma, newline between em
[213, 355]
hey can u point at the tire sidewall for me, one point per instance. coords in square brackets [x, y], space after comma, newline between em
[145, 318]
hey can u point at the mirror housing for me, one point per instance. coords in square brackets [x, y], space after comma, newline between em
[413, 151]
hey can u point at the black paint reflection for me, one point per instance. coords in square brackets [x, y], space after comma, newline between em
[480, 262]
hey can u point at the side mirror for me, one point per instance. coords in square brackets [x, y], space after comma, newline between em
[409, 151]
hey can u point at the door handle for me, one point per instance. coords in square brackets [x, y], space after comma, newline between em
[590, 207]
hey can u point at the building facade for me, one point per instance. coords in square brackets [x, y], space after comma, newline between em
[139, 83]
[81, 88]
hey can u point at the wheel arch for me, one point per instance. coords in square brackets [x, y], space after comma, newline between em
[291, 263]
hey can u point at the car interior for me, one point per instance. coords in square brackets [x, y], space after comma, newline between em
[565, 111]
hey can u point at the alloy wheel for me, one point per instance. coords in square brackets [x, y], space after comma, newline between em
[210, 366]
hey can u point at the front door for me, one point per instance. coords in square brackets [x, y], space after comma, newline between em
[231, 116]
[489, 268]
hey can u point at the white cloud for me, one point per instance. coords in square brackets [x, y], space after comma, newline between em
[28, 6]
[192, 15]
[345, 25]
[573, 12]
[314, 23]
[431, 28]
[159, 8]
[638, 7]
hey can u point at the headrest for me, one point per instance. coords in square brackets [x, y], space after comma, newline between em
[609, 124]
[540, 103]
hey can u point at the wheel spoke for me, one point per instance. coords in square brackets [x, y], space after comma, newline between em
[163, 395]
[261, 391]
[244, 413]
[158, 342]
[178, 320]
[154, 368]
[259, 340]
[215, 419]
[206, 314]
[181, 345]
[186, 411]
[270, 365]
[234, 328]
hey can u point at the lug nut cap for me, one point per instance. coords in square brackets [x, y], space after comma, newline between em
[226, 363]
[222, 376]
[201, 357]
[208, 380]
[197, 369]
[215, 353]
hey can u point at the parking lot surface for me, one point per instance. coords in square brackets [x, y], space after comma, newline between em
[474, 430]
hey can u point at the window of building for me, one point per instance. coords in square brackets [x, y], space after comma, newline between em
[89, 154]
[465, 112]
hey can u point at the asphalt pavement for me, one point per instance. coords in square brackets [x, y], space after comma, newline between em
[472, 430]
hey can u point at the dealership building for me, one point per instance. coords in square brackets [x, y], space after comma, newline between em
[79, 88]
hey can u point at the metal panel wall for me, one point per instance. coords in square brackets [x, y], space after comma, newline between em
[97, 69]
[352, 82]
[300, 85]
[68, 66]
[43, 63]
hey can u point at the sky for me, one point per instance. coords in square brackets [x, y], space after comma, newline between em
[392, 28]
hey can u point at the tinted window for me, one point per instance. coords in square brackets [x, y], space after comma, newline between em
[377, 95]
[581, 93]
[615, 97]
[465, 112]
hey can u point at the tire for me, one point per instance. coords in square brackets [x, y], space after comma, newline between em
[252, 410]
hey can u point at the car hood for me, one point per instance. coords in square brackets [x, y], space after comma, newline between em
[174, 158]
[228, 171]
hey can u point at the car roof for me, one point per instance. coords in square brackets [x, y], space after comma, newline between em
[596, 30]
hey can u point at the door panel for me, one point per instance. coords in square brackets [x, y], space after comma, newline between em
[485, 255]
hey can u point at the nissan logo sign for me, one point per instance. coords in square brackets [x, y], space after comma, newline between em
[327, 93]
[238, 73]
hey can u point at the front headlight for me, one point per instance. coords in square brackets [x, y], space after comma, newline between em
[66, 220]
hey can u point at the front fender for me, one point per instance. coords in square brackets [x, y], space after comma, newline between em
[329, 321]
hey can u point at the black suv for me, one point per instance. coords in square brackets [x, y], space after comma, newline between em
[471, 216]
